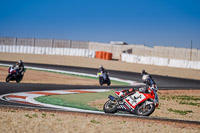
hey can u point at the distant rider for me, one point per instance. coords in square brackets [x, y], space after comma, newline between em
[20, 68]
[102, 70]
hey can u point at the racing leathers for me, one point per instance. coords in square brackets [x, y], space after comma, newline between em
[147, 78]
[20, 69]
[103, 71]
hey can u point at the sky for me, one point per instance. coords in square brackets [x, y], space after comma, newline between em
[146, 22]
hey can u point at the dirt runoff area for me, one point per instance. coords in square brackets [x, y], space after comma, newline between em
[34, 121]
[171, 106]
[33, 76]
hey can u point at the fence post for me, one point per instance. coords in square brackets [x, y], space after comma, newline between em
[52, 41]
[70, 43]
[191, 51]
[16, 41]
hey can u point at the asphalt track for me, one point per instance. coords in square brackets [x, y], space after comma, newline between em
[162, 83]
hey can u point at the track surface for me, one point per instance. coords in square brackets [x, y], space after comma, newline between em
[162, 82]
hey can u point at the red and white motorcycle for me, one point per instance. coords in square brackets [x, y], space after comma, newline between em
[134, 102]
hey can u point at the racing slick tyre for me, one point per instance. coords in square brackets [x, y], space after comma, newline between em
[108, 83]
[110, 107]
[101, 81]
[148, 110]
[8, 78]
[18, 80]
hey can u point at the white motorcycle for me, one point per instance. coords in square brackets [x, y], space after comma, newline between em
[103, 78]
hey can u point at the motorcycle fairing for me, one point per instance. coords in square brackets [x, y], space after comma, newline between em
[135, 99]
[125, 107]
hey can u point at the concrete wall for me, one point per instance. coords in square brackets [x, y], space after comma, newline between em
[44, 42]
[160, 61]
[117, 50]
[7, 41]
[47, 50]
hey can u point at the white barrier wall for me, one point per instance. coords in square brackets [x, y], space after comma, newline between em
[47, 50]
[158, 61]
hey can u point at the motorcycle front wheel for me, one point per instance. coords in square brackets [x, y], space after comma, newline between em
[145, 111]
[110, 107]
[108, 83]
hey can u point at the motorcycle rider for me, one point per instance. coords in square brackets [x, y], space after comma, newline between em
[147, 78]
[20, 68]
[150, 83]
[102, 70]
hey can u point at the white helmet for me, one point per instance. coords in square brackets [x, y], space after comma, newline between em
[101, 66]
[20, 62]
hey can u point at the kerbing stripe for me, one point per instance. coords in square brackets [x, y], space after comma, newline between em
[16, 96]
[43, 93]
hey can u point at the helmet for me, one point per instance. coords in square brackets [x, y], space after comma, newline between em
[143, 72]
[20, 62]
[101, 66]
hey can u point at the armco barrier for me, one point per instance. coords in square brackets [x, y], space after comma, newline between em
[103, 55]
[158, 61]
[47, 51]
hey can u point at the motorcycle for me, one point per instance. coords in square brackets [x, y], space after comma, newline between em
[12, 75]
[104, 78]
[136, 102]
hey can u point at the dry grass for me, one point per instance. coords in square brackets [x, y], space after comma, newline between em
[15, 120]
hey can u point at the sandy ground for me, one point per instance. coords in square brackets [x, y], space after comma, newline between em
[94, 63]
[14, 120]
[18, 121]
[168, 103]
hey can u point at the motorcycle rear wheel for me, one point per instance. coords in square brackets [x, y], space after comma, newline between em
[108, 83]
[110, 107]
[18, 80]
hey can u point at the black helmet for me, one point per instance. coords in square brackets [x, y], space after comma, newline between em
[143, 72]
[20, 62]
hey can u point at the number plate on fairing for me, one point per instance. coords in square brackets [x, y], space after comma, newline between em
[135, 98]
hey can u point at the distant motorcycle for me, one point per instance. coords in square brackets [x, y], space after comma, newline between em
[142, 104]
[104, 78]
[12, 75]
